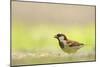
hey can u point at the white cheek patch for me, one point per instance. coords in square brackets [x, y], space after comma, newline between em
[61, 38]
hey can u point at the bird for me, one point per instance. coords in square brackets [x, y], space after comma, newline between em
[68, 46]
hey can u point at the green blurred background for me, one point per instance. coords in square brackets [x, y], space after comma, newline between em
[35, 24]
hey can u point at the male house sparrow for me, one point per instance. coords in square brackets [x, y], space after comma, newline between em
[67, 45]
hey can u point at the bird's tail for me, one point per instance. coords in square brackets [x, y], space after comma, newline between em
[81, 44]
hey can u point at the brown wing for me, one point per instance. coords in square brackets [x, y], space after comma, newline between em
[73, 43]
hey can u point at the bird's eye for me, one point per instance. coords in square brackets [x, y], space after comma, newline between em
[59, 35]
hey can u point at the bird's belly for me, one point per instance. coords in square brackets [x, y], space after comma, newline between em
[71, 49]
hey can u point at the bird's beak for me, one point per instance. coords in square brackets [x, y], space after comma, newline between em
[55, 36]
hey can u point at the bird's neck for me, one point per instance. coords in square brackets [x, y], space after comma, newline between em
[62, 43]
[66, 39]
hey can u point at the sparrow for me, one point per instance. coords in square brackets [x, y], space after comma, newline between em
[67, 45]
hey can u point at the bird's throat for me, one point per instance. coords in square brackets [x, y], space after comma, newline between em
[61, 44]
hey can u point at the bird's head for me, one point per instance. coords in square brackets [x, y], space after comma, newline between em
[60, 36]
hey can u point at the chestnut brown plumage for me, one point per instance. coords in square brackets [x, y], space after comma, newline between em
[67, 45]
